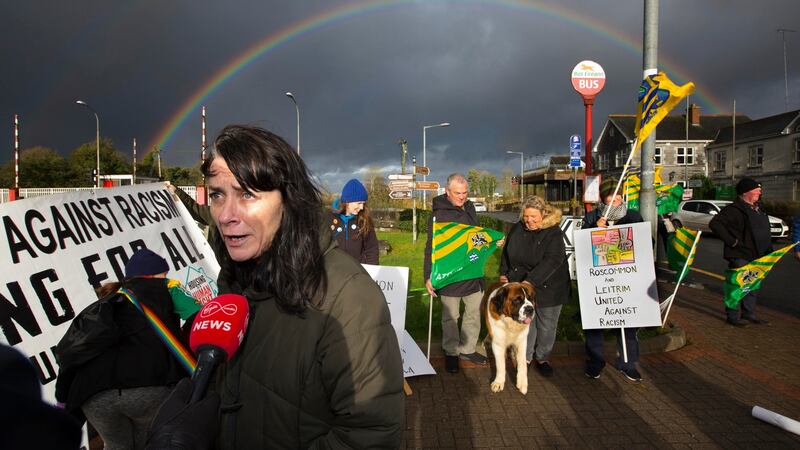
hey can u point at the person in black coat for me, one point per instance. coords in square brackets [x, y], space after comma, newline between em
[120, 385]
[535, 254]
[27, 421]
[618, 214]
[453, 206]
[744, 228]
[351, 225]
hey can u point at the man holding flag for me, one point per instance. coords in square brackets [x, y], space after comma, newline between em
[744, 228]
[454, 257]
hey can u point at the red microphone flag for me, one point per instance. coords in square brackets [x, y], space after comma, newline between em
[221, 323]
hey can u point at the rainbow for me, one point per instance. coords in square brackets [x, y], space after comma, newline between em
[172, 342]
[348, 11]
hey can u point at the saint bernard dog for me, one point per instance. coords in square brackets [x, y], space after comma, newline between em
[509, 311]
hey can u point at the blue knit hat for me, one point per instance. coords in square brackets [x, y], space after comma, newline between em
[145, 262]
[353, 191]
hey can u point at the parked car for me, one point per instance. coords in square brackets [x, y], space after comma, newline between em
[480, 207]
[696, 214]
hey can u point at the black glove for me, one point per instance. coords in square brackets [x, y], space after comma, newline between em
[179, 425]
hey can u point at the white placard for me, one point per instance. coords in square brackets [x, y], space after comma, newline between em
[591, 193]
[414, 361]
[57, 248]
[393, 282]
[616, 277]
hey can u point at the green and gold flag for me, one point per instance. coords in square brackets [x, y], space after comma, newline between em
[631, 189]
[459, 252]
[740, 282]
[668, 198]
[681, 247]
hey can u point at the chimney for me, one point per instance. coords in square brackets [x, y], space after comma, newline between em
[694, 114]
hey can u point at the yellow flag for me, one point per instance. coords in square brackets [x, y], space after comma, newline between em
[657, 96]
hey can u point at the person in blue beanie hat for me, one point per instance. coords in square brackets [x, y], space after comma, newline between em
[351, 225]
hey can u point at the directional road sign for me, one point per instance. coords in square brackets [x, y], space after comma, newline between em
[400, 195]
[399, 176]
[428, 185]
[401, 185]
[422, 170]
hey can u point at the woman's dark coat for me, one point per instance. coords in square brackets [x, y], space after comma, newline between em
[539, 257]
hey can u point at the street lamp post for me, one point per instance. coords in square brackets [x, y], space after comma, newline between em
[97, 120]
[297, 111]
[424, 153]
[521, 173]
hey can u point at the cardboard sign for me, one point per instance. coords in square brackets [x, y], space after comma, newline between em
[58, 248]
[393, 281]
[616, 277]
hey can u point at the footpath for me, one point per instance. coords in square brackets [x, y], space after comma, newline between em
[699, 396]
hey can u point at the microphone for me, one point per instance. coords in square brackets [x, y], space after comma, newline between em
[216, 334]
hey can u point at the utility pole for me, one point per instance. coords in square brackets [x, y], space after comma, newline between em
[403, 151]
[783, 32]
[650, 67]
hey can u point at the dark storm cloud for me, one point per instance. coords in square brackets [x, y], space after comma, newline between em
[498, 72]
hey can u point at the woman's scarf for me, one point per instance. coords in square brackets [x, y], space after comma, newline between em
[614, 212]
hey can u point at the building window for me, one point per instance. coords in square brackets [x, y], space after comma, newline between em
[657, 156]
[684, 156]
[756, 156]
[719, 160]
[620, 157]
[796, 151]
[795, 190]
[611, 132]
[602, 161]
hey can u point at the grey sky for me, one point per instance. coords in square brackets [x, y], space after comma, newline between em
[497, 70]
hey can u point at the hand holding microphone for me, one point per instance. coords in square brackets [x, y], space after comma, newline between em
[187, 420]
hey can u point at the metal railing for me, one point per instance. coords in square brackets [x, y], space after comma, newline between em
[40, 192]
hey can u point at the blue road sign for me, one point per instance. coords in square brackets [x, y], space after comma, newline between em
[575, 150]
[575, 142]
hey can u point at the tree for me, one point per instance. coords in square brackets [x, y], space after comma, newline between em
[488, 184]
[38, 167]
[377, 189]
[182, 176]
[83, 160]
[473, 178]
[508, 189]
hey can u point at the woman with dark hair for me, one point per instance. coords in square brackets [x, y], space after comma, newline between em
[320, 364]
[535, 254]
[351, 225]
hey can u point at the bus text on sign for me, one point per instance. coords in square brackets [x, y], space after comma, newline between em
[588, 78]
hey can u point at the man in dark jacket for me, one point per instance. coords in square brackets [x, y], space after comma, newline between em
[618, 214]
[744, 229]
[453, 206]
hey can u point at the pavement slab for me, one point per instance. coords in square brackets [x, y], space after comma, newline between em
[699, 396]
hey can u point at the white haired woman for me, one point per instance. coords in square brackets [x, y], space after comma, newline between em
[535, 254]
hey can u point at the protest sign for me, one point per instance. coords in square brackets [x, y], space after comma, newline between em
[393, 281]
[616, 277]
[59, 248]
[414, 361]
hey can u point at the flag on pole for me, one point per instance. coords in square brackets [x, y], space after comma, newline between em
[631, 189]
[668, 197]
[460, 252]
[657, 96]
[681, 248]
[740, 282]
